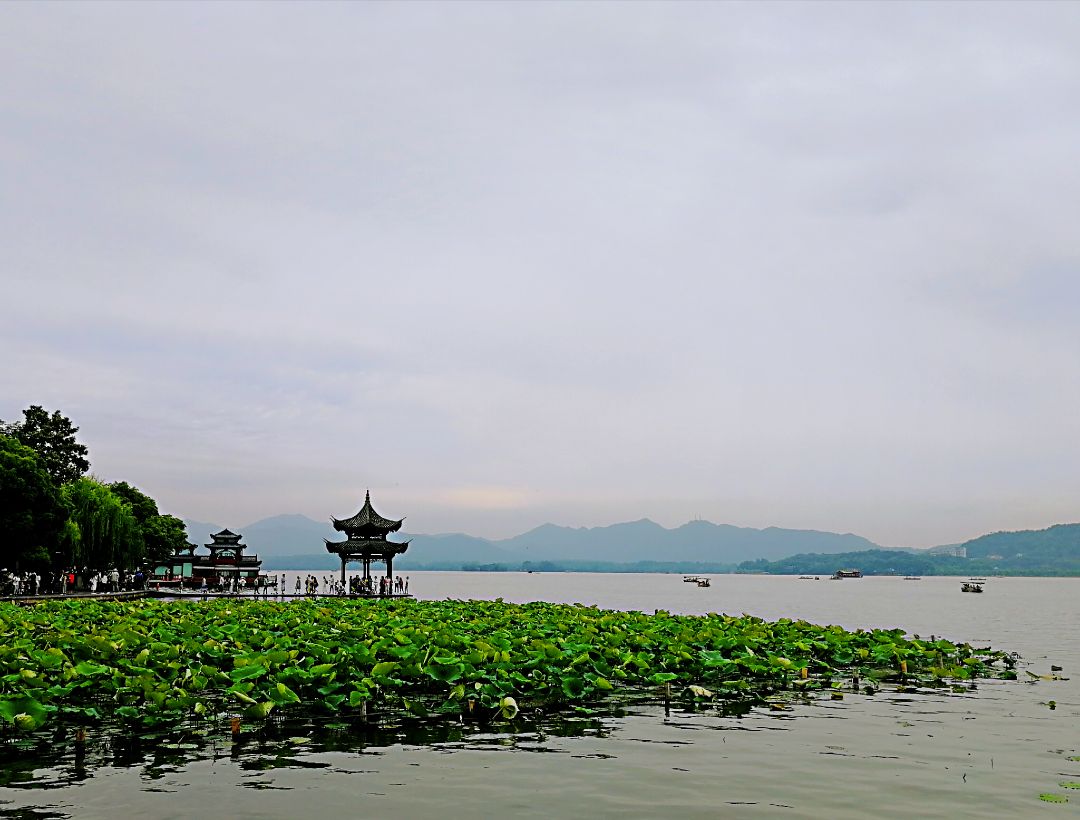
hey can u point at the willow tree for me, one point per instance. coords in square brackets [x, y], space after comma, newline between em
[103, 530]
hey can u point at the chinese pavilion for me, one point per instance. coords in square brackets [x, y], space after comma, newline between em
[366, 541]
[225, 563]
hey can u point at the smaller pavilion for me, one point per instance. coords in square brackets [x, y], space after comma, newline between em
[225, 563]
[366, 541]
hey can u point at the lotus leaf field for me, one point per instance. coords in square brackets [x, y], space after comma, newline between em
[154, 662]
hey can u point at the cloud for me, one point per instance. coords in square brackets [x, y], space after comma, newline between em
[799, 265]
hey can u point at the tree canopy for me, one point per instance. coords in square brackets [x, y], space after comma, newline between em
[52, 437]
[106, 532]
[162, 535]
[32, 513]
[50, 513]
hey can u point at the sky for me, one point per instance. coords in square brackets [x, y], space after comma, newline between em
[772, 264]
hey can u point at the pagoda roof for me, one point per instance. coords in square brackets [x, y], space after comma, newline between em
[225, 537]
[366, 546]
[366, 521]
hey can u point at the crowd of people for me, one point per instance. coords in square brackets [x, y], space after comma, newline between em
[69, 581]
[355, 585]
[82, 580]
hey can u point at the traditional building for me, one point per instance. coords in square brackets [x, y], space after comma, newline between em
[226, 564]
[366, 541]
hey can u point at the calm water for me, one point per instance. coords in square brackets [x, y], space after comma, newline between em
[983, 753]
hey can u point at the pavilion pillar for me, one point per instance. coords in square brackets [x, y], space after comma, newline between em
[390, 567]
[342, 571]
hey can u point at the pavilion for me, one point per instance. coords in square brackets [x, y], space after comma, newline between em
[366, 541]
[226, 562]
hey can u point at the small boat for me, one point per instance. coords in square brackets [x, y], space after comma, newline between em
[847, 573]
[971, 586]
[690, 579]
[703, 582]
[912, 578]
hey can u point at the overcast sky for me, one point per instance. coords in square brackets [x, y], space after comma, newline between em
[770, 264]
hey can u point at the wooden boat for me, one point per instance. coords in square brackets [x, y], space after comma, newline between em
[971, 586]
[690, 579]
[703, 582]
[912, 578]
[847, 573]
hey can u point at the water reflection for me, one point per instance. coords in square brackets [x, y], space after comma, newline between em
[58, 759]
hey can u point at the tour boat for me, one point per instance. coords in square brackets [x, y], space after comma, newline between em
[847, 573]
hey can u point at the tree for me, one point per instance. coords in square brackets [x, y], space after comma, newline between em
[163, 535]
[52, 437]
[32, 513]
[142, 506]
[106, 533]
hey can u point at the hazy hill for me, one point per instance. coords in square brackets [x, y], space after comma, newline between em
[1059, 541]
[279, 535]
[700, 541]
[1053, 551]
[288, 535]
[295, 541]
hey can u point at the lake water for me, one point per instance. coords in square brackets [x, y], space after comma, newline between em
[989, 752]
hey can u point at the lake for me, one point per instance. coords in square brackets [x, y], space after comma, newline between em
[988, 751]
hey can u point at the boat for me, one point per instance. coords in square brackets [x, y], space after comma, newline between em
[703, 582]
[971, 586]
[847, 573]
[690, 579]
[912, 578]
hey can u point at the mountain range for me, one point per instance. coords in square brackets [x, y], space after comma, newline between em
[296, 542]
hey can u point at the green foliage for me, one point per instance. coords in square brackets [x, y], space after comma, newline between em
[52, 437]
[32, 513]
[163, 662]
[901, 562]
[106, 533]
[143, 507]
[162, 535]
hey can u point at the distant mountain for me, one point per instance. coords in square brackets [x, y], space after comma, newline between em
[269, 537]
[288, 535]
[1057, 543]
[698, 541]
[296, 542]
[455, 547]
[1053, 551]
